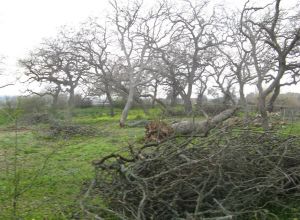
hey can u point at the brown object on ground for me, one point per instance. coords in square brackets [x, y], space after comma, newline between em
[157, 131]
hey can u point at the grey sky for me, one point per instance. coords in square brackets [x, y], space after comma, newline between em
[24, 23]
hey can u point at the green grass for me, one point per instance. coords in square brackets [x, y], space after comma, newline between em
[4, 118]
[291, 129]
[55, 192]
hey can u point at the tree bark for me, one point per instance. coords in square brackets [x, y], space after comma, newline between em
[188, 107]
[71, 98]
[54, 101]
[263, 112]
[274, 96]
[141, 103]
[70, 107]
[243, 101]
[154, 94]
[162, 104]
[55, 97]
[111, 104]
[200, 99]
[173, 97]
[202, 127]
[127, 106]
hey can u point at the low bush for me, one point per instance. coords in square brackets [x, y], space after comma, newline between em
[67, 130]
[33, 104]
[176, 111]
[212, 109]
[36, 118]
[81, 102]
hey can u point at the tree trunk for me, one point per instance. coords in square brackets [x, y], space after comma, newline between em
[70, 104]
[160, 103]
[227, 98]
[71, 98]
[127, 107]
[188, 107]
[55, 97]
[154, 94]
[199, 99]
[54, 101]
[202, 127]
[174, 95]
[263, 111]
[141, 103]
[243, 101]
[111, 104]
[273, 99]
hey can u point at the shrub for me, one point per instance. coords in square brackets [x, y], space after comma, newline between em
[119, 103]
[212, 109]
[33, 104]
[81, 102]
[176, 111]
[36, 118]
[67, 130]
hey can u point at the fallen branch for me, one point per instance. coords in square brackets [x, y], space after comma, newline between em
[188, 127]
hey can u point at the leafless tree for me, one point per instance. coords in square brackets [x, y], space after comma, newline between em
[92, 41]
[179, 47]
[1, 73]
[55, 62]
[52, 90]
[133, 30]
[237, 56]
[224, 79]
[274, 36]
[194, 33]
[154, 84]
[202, 87]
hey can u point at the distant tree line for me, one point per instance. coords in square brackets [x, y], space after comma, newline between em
[172, 48]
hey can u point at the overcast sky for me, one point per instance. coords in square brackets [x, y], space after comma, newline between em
[24, 23]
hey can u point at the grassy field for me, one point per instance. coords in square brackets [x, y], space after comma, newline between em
[50, 172]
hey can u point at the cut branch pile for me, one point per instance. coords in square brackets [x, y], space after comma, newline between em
[228, 175]
[67, 130]
[36, 118]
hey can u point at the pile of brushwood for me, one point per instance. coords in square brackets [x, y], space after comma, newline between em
[226, 175]
[36, 118]
[66, 130]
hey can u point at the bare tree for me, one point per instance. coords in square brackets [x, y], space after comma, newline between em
[57, 63]
[92, 43]
[52, 90]
[237, 56]
[154, 84]
[274, 39]
[133, 32]
[194, 33]
[224, 79]
[1, 73]
[202, 87]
